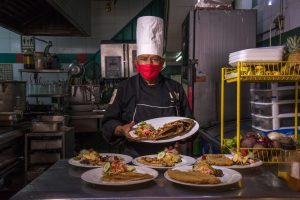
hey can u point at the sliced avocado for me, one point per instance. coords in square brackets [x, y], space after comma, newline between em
[106, 167]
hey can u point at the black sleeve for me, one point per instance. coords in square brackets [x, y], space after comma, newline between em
[112, 119]
[185, 110]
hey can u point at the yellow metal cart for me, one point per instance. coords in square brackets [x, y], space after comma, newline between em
[258, 72]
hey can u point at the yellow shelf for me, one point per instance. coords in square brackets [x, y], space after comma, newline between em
[258, 72]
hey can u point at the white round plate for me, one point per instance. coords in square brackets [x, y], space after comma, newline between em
[159, 122]
[230, 177]
[186, 160]
[94, 176]
[127, 159]
[256, 164]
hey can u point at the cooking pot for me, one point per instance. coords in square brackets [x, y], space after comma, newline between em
[12, 96]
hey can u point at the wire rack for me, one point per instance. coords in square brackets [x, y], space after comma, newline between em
[263, 71]
[6, 72]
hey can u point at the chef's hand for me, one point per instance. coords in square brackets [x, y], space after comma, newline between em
[124, 130]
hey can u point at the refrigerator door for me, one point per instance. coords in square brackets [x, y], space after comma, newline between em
[131, 57]
[113, 61]
[216, 33]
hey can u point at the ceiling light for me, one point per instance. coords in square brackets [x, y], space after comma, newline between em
[269, 2]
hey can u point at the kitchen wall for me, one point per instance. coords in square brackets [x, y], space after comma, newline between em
[178, 10]
[267, 11]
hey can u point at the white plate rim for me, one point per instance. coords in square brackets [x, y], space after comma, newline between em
[98, 172]
[189, 161]
[76, 163]
[174, 139]
[225, 170]
[256, 164]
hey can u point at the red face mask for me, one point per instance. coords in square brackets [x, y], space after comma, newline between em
[149, 71]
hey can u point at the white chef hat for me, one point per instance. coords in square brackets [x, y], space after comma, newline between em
[149, 35]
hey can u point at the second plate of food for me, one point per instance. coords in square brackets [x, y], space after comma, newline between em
[155, 162]
[185, 175]
[235, 161]
[98, 160]
[140, 175]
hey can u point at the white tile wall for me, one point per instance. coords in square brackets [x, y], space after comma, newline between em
[267, 14]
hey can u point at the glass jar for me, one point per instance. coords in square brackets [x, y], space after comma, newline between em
[294, 172]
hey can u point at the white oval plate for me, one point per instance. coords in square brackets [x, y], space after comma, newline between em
[126, 158]
[159, 122]
[186, 160]
[256, 164]
[94, 176]
[230, 177]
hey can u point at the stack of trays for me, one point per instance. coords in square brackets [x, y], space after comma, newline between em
[256, 54]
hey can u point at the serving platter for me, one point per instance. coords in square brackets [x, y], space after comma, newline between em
[94, 176]
[230, 177]
[159, 122]
[186, 160]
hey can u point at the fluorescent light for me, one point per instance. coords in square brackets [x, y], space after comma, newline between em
[269, 2]
[179, 58]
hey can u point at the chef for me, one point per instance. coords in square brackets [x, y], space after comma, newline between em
[145, 96]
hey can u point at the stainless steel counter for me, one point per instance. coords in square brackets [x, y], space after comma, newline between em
[62, 181]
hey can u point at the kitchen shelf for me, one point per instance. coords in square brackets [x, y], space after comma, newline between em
[47, 95]
[279, 88]
[261, 116]
[279, 71]
[42, 71]
[267, 130]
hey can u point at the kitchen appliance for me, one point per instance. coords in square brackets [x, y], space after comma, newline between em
[12, 96]
[117, 60]
[208, 38]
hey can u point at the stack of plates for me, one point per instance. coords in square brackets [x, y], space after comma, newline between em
[264, 54]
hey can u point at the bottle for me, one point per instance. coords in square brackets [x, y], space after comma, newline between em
[285, 161]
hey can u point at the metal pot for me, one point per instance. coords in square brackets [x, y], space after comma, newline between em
[12, 96]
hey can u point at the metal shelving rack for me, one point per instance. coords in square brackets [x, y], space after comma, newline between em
[39, 71]
[258, 72]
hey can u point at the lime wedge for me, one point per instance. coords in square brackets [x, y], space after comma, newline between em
[161, 155]
[106, 167]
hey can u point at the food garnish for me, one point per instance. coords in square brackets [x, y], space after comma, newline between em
[167, 158]
[93, 158]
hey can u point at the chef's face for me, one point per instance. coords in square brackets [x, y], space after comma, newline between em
[149, 59]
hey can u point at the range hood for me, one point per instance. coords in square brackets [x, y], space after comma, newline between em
[47, 17]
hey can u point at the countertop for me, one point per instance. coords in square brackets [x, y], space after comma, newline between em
[62, 181]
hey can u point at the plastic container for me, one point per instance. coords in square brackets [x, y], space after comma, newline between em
[260, 109]
[261, 96]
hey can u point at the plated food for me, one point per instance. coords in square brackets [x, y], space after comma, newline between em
[236, 161]
[202, 174]
[91, 158]
[164, 129]
[118, 173]
[164, 159]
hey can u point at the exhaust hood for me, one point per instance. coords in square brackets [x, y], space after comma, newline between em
[47, 17]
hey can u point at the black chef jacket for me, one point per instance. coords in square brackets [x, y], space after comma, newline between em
[137, 101]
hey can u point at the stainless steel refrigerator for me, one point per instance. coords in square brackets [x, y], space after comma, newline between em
[117, 60]
[208, 36]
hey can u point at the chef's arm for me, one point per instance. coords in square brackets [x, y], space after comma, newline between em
[112, 119]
